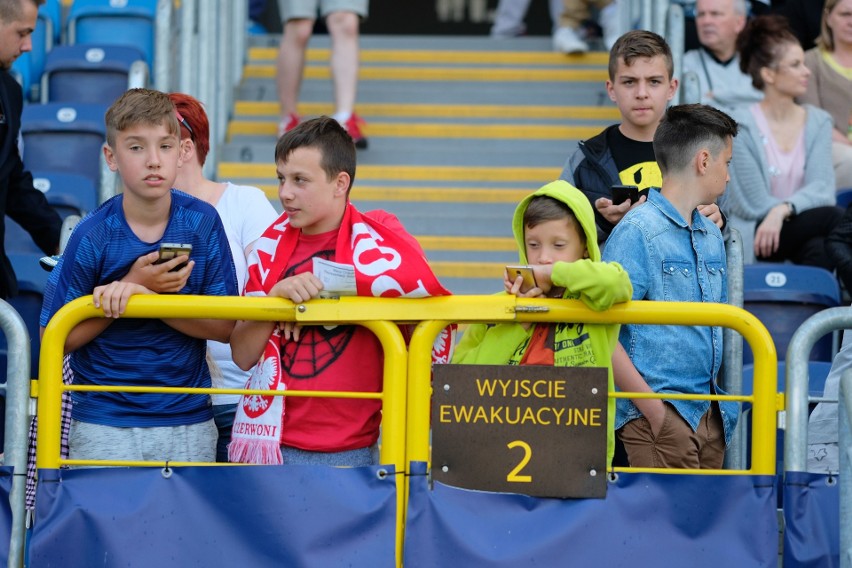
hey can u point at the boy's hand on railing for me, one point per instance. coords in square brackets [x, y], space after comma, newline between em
[290, 330]
[113, 296]
[299, 288]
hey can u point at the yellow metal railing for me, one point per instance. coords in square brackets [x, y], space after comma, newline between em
[406, 392]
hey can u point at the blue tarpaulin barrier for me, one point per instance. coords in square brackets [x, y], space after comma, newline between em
[5, 512]
[645, 520]
[812, 520]
[215, 516]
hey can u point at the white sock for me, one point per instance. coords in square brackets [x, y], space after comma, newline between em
[342, 117]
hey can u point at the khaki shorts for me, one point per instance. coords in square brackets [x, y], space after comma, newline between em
[307, 9]
[676, 445]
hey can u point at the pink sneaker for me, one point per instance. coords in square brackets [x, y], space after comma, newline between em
[287, 125]
[353, 127]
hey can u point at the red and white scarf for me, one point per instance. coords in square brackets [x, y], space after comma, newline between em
[388, 263]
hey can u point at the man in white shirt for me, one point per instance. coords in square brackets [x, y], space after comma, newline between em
[716, 63]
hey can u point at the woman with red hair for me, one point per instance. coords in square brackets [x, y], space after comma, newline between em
[246, 212]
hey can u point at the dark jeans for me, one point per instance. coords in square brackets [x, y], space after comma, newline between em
[802, 239]
[223, 415]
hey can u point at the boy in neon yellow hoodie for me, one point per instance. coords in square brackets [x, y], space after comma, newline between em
[556, 235]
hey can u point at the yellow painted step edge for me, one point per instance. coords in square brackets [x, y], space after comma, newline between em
[467, 74]
[259, 54]
[497, 244]
[273, 110]
[490, 270]
[424, 194]
[438, 130]
[525, 175]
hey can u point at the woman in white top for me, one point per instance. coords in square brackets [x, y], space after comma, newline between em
[781, 196]
[246, 212]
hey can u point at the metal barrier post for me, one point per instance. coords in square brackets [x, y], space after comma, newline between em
[659, 11]
[164, 42]
[674, 25]
[209, 45]
[17, 389]
[845, 449]
[188, 63]
[732, 358]
[798, 352]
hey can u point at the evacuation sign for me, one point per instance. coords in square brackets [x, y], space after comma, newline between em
[534, 430]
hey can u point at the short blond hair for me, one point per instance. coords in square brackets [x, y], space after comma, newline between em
[141, 106]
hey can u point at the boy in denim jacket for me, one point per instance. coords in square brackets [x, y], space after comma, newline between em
[673, 253]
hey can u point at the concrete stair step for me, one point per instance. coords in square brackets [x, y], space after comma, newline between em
[460, 130]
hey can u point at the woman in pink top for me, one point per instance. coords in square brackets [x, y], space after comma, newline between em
[781, 196]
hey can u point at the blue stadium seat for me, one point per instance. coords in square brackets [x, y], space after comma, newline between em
[817, 374]
[92, 73]
[67, 191]
[51, 13]
[130, 22]
[64, 137]
[782, 296]
[844, 197]
[28, 304]
[22, 72]
[18, 240]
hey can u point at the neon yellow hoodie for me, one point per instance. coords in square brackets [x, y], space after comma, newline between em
[597, 284]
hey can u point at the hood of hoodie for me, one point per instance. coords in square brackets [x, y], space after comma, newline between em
[575, 200]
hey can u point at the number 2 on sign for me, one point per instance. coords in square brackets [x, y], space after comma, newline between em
[513, 475]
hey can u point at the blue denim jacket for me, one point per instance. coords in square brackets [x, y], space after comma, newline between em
[667, 260]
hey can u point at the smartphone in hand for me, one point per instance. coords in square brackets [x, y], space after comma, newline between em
[621, 193]
[169, 251]
[526, 272]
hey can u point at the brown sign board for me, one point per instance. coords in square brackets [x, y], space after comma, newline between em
[533, 430]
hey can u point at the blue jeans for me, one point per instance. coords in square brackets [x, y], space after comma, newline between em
[223, 415]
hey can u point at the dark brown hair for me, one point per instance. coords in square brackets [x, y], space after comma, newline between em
[336, 147]
[685, 129]
[543, 208]
[761, 44]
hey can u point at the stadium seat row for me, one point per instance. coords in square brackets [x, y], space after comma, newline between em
[128, 23]
[78, 66]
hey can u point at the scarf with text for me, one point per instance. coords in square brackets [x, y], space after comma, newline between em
[388, 262]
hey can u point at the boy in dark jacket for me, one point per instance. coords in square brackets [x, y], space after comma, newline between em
[641, 84]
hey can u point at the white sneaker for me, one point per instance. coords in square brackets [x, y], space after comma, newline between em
[608, 20]
[566, 40]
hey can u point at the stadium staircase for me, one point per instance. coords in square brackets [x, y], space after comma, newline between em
[459, 128]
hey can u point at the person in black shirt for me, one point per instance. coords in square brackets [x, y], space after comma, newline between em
[641, 84]
[18, 198]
